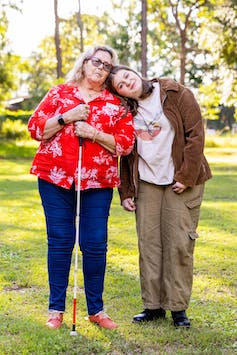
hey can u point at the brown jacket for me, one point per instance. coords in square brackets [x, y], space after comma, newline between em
[190, 165]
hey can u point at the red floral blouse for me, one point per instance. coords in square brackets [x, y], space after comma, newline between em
[56, 160]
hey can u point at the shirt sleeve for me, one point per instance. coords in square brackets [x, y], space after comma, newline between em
[46, 109]
[125, 134]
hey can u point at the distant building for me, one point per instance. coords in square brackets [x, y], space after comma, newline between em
[226, 121]
[17, 103]
[226, 117]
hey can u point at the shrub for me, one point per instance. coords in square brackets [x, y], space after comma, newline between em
[221, 141]
[14, 129]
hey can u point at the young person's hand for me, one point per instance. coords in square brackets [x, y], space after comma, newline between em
[178, 187]
[129, 205]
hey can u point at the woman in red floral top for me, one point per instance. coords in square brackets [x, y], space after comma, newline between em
[80, 107]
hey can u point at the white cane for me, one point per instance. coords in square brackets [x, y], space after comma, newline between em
[74, 332]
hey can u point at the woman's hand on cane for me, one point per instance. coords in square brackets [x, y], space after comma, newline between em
[84, 130]
[78, 113]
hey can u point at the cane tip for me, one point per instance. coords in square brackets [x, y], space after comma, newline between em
[73, 333]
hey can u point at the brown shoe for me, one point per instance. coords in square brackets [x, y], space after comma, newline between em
[103, 320]
[55, 320]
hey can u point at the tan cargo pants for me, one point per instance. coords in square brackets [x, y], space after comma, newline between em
[166, 226]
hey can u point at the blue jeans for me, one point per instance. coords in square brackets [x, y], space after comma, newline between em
[60, 210]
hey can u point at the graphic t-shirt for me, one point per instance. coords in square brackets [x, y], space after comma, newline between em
[154, 141]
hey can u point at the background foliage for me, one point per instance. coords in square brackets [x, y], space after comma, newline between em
[192, 41]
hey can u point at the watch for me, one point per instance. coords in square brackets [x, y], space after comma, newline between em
[61, 120]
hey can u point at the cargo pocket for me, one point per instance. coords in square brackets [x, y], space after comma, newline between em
[194, 210]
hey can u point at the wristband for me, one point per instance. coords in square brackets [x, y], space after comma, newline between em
[61, 120]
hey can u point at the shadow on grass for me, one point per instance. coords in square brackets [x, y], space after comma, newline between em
[11, 149]
[40, 340]
[215, 190]
[212, 331]
[23, 313]
[212, 326]
[216, 219]
[17, 186]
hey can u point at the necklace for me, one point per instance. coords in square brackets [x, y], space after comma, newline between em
[93, 94]
[90, 90]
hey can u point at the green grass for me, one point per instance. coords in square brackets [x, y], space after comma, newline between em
[24, 286]
[12, 149]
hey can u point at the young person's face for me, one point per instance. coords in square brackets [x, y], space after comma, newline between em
[127, 84]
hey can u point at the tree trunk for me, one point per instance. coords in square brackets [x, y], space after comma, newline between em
[80, 25]
[144, 38]
[57, 41]
[182, 57]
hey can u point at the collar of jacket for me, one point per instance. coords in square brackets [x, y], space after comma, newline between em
[167, 84]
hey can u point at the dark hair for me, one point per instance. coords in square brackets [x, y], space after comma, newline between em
[128, 102]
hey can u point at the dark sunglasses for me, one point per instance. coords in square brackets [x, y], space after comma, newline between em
[97, 63]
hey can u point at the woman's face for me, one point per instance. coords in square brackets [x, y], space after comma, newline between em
[97, 68]
[127, 84]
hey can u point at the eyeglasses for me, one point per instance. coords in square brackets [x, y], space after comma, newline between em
[97, 63]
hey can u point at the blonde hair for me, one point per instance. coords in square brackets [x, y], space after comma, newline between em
[76, 74]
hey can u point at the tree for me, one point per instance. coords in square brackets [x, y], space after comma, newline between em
[42, 71]
[8, 61]
[80, 25]
[182, 14]
[226, 17]
[190, 40]
[124, 34]
[144, 38]
[218, 38]
[57, 41]
[177, 27]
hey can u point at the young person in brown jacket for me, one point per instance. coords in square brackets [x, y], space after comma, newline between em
[162, 180]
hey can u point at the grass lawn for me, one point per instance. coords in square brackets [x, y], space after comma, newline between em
[24, 285]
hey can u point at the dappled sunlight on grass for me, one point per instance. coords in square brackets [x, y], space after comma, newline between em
[125, 263]
[24, 285]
